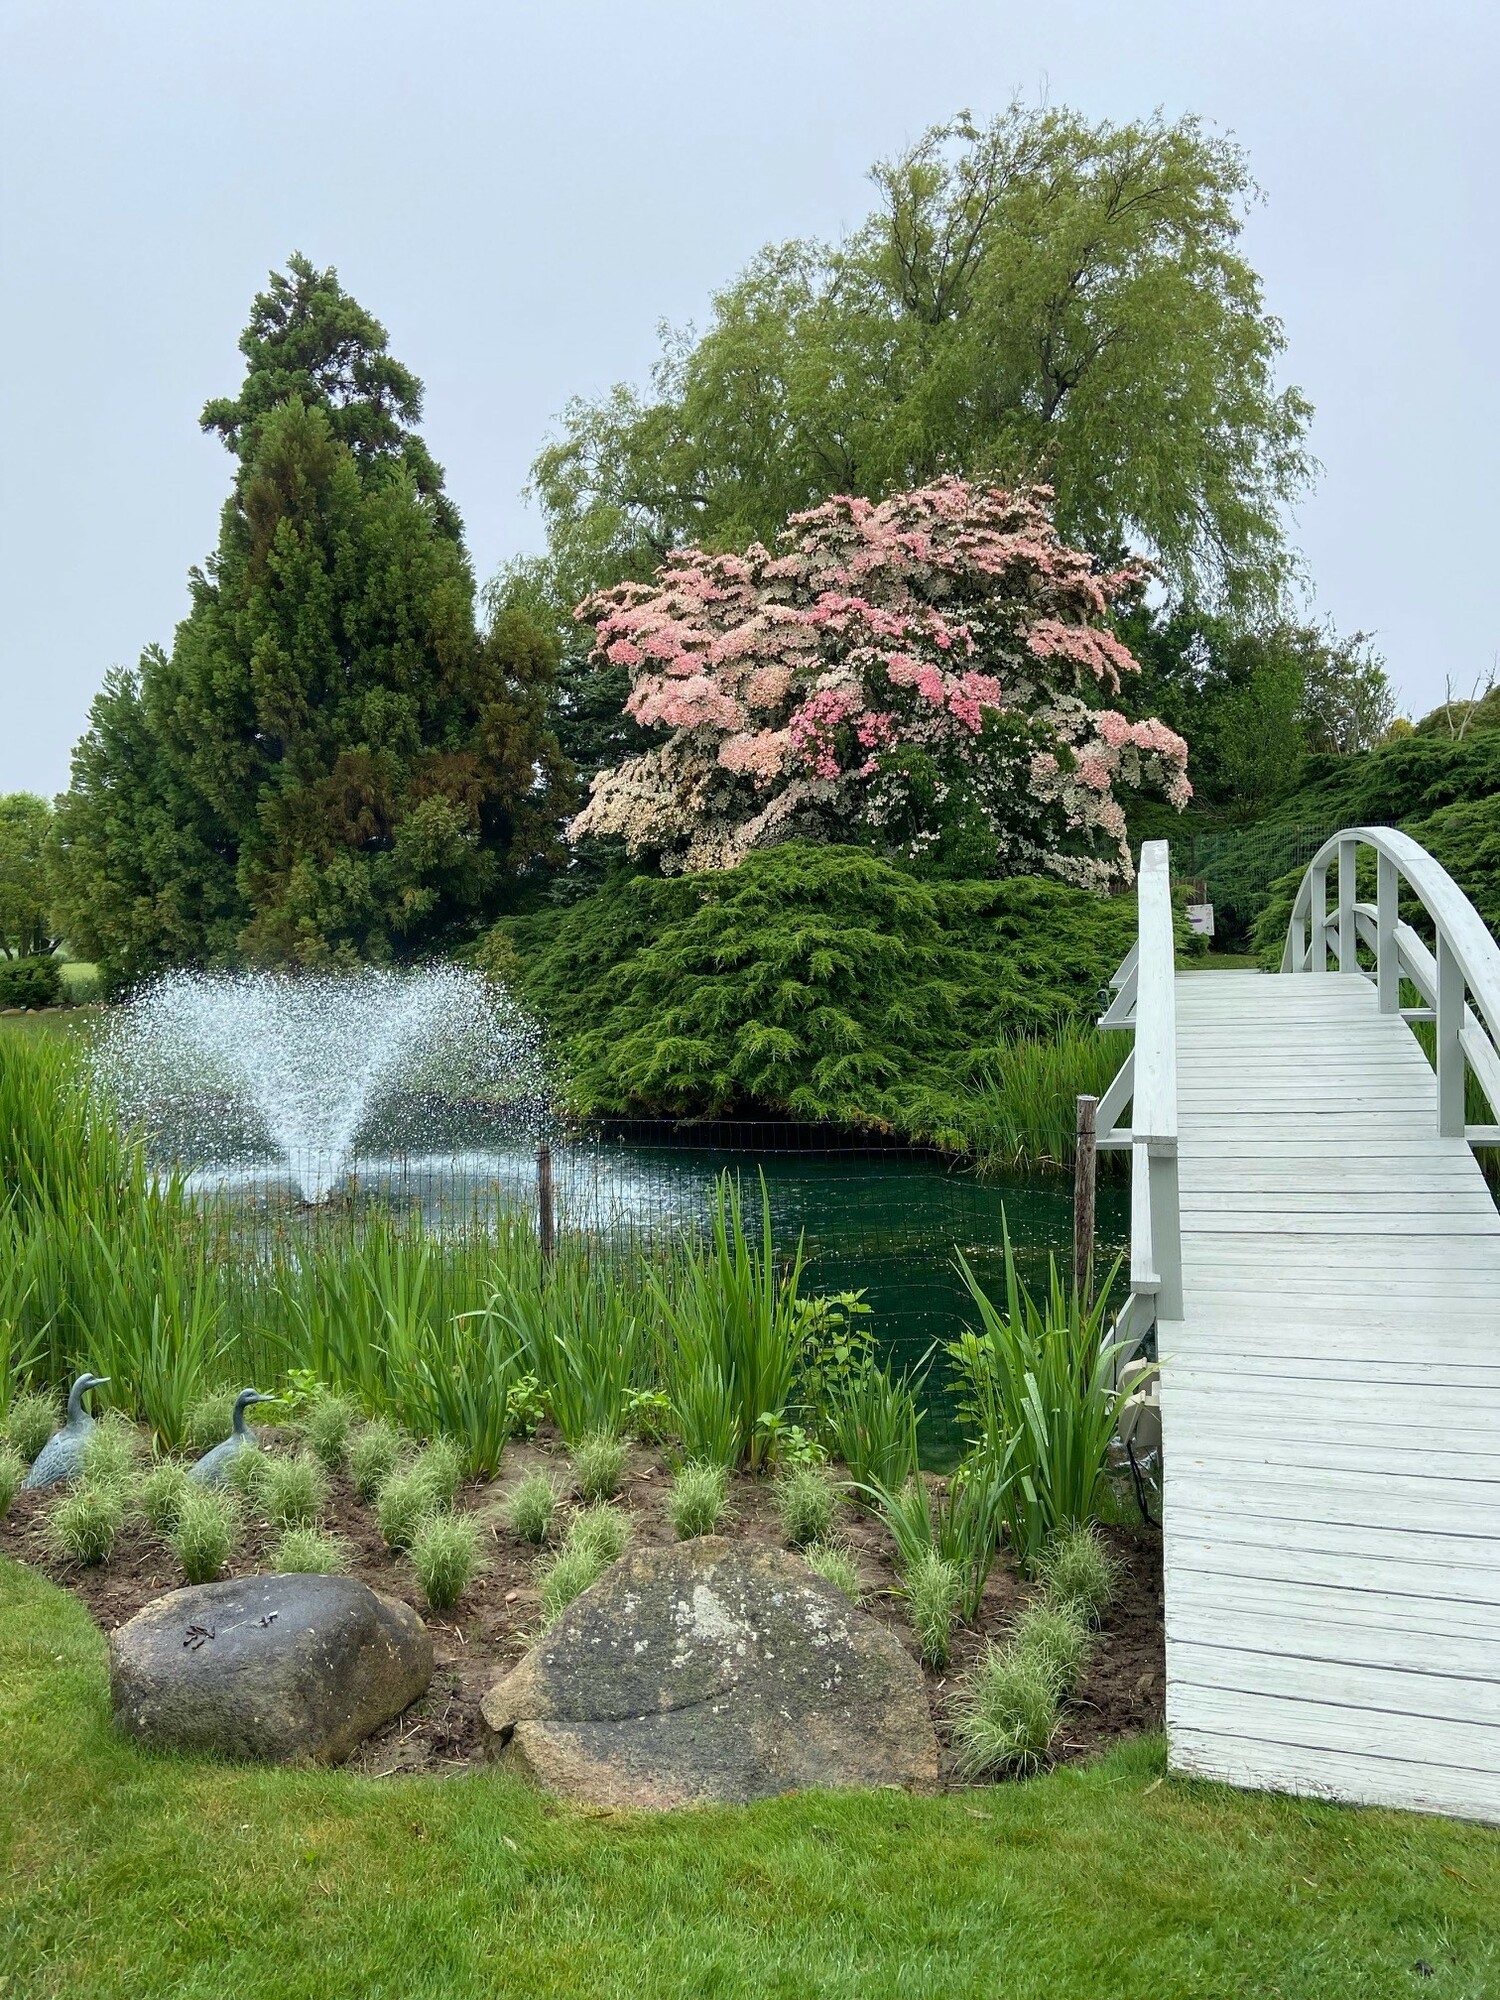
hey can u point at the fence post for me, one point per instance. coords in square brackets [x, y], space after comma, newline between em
[1085, 1164]
[546, 1218]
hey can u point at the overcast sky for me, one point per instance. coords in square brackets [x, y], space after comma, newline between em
[521, 192]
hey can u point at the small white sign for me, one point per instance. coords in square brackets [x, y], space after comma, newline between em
[1200, 918]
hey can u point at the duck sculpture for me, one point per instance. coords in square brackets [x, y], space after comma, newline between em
[61, 1457]
[213, 1465]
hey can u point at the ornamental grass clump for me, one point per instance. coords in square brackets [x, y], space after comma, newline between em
[309, 1552]
[598, 1465]
[210, 1419]
[1005, 1715]
[246, 1470]
[374, 1451]
[161, 1494]
[442, 1464]
[603, 1529]
[806, 1502]
[111, 1454]
[571, 1571]
[1055, 1637]
[12, 1472]
[833, 1562]
[326, 1428]
[932, 1587]
[445, 1554]
[532, 1508]
[207, 1531]
[402, 1505]
[293, 1491]
[34, 1416]
[1078, 1570]
[86, 1521]
[697, 1499]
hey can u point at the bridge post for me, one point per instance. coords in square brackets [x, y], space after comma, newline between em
[1387, 906]
[1085, 1164]
[1166, 1232]
[1318, 897]
[1450, 1055]
[1348, 940]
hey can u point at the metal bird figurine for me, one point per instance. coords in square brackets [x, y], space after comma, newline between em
[213, 1465]
[61, 1457]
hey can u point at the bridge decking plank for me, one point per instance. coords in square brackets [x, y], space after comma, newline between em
[1331, 1408]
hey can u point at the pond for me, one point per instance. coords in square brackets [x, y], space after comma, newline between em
[881, 1220]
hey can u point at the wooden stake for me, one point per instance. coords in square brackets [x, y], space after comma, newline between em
[1084, 1168]
[546, 1218]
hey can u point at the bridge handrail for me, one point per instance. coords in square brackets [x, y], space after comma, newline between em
[1145, 999]
[1464, 969]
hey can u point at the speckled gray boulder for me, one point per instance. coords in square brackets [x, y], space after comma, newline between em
[713, 1670]
[289, 1669]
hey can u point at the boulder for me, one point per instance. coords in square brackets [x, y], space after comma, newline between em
[713, 1670]
[292, 1669]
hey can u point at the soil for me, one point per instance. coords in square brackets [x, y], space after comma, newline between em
[1120, 1695]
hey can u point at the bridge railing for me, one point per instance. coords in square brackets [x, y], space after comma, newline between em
[1147, 1081]
[1457, 979]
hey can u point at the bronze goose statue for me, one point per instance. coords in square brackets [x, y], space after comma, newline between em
[61, 1457]
[213, 1465]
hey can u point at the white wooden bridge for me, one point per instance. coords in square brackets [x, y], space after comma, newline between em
[1318, 1255]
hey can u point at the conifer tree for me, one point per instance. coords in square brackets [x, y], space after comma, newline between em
[334, 762]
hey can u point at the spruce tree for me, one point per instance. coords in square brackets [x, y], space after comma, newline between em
[334, 762]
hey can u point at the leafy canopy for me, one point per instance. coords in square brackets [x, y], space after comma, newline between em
[808, 982]
[1039, 298]
[25, 921]
[334, 762]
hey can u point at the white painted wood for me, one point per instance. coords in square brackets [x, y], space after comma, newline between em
[1331, 1396]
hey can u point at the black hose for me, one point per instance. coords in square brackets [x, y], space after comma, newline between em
[1140, 1487]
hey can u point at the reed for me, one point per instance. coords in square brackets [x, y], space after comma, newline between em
[1020, 1107]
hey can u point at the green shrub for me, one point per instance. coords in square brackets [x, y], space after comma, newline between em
[1055, 1638]
[1078, 1570]
[85, 1522]
[209, 1421]
[445, 1555]
[161, 1494]
[806, 1502]
[309, 1552]
[598, 1465]
[532, 1506]
[34, 1416]
[12, 1472]
[524, 1407]
[293, 1491]
[1004, 1714]
[31, 982]
[604, 1529]
[820, 982]
[326, 1428]
[697, 1499]
[570, 1572]
[374, 1452]
[111, 1454]
[207, 1532]
[833, 1562]
[932, 1587]
[402, 1505]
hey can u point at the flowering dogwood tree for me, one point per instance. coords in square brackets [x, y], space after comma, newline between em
[894, 672]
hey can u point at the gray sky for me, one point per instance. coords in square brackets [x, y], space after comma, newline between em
[520, 192]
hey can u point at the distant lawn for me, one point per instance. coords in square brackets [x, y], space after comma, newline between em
[130, 1875]
[55, 1021]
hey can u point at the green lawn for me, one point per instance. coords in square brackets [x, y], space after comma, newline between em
[124, 1874]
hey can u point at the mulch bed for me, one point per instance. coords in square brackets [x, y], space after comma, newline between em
[485, 1635]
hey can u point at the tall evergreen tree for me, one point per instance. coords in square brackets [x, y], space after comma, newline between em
[335, 762]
